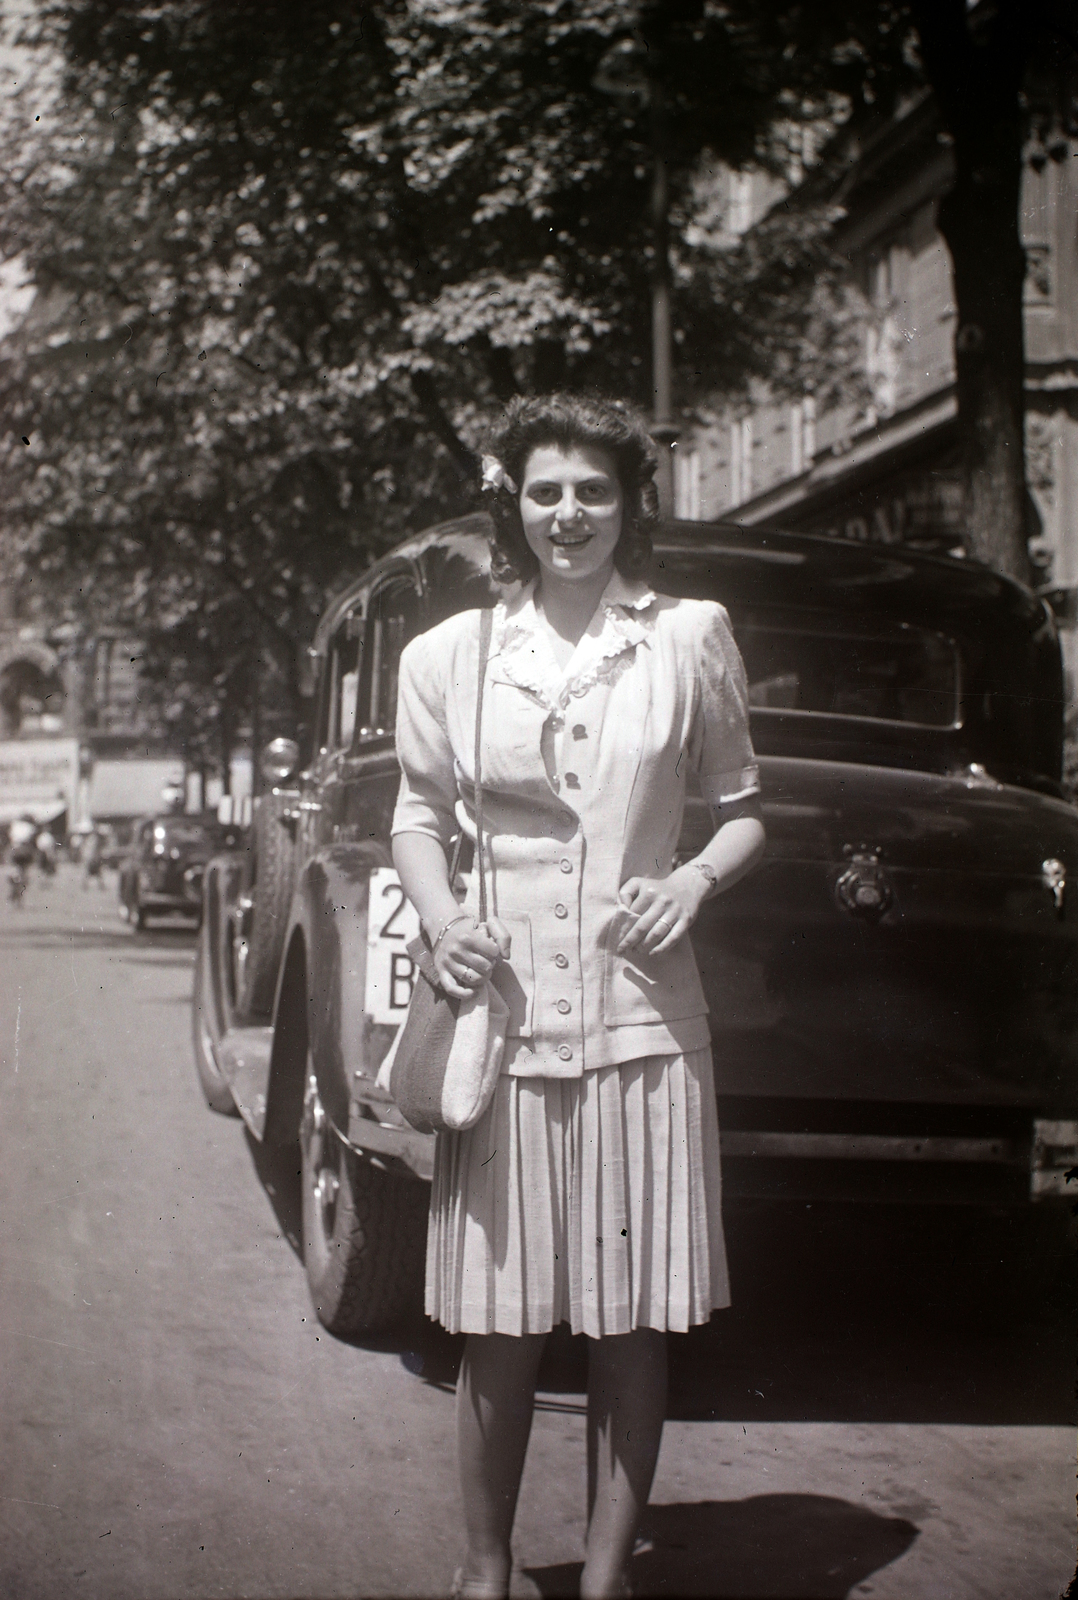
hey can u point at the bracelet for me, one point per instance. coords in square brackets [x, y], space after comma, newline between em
[707, 872]
[465, 916]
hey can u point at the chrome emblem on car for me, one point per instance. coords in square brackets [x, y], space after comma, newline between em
[864, 889]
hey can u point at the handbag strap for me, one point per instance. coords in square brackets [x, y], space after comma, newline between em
[486, 621]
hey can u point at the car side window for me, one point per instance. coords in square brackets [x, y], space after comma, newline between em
[342, 671]
[393, 616]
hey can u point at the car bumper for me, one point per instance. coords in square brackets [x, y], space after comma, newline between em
[170, 902]
[1031, 1159]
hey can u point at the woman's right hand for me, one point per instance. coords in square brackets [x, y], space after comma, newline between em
[467, 953]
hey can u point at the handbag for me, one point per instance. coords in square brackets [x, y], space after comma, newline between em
[449, 1051]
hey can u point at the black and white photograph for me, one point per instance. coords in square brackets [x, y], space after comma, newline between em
[538, 799]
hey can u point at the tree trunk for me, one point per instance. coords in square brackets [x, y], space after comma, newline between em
[976, 72]
[225, 729]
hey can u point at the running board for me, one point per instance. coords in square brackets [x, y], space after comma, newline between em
[243, 1060]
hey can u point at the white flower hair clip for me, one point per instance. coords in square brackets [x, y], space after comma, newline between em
[495, 476]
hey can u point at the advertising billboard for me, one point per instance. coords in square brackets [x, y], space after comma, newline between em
[38, 778]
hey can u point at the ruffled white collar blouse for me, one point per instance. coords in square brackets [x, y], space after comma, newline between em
[525, 657]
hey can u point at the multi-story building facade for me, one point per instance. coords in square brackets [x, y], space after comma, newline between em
[887, 470]
[75, 743]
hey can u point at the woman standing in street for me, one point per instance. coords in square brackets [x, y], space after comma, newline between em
[589, 1192]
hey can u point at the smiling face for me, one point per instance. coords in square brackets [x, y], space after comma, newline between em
[572, 505]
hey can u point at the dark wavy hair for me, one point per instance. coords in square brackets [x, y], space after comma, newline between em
[569, 422]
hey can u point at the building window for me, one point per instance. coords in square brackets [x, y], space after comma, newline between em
[741, 460]
[802, 435]
[879, 284]
[687, 483]
[808, 427]
[883, 366]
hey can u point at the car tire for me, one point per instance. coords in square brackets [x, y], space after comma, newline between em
[364, 1232]
[275, 877]
[214, 1087]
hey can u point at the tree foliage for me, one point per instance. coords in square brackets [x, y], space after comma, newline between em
[287, 258]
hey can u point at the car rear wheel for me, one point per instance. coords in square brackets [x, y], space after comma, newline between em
[259, 951]
[214, 1087]
[364, 1231]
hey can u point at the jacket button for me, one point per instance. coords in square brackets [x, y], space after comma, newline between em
[561, 961]
[565, 1052]
[561, 911]
[567, 866]
[579, 731]
[572, 781]
[564, 1007]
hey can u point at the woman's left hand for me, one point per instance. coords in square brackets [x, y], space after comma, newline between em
[664, 909]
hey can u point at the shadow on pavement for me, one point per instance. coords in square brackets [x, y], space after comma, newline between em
[278, 1173]
[887, 1314]
[862, 1317]
[768, 1547]
[840, 1314]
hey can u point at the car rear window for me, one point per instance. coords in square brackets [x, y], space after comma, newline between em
[899, 675]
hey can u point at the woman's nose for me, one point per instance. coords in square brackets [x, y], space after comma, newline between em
[568, 507]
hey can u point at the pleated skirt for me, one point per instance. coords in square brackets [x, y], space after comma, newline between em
[595, 1201]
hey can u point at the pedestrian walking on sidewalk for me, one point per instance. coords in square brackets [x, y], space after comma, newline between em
[589, 1192]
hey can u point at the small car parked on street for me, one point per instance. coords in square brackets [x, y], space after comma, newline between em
[893, 993]
[162, 870]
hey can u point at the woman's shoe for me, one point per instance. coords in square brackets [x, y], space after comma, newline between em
[477, 1588]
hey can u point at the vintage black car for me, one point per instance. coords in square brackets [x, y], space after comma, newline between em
[161, 872]
[893, 993]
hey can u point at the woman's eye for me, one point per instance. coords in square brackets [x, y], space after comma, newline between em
[590, 494]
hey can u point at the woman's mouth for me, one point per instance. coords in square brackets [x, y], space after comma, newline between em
[570, 541]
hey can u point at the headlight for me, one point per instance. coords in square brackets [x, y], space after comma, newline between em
[280, 759]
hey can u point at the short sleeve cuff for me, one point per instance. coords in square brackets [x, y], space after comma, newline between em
[412, 816]
[722, 788]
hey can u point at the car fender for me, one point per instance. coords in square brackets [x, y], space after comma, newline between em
[320, 995]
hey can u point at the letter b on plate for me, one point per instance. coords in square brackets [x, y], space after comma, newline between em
[391, 924]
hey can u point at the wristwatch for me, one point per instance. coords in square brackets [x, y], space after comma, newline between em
[706, 872]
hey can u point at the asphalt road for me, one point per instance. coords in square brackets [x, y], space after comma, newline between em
[879, 1415]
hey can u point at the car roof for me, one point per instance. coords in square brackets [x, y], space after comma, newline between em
[768, 565]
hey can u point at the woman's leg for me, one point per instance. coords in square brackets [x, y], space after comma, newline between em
[626, 1411]
[495, 1399]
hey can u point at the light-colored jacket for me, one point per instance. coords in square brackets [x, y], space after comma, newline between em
[584, 775]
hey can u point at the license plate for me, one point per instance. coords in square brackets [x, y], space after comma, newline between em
[392, 923]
